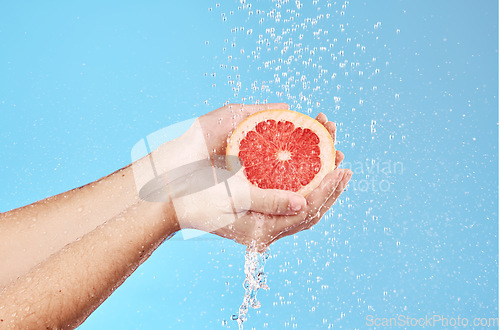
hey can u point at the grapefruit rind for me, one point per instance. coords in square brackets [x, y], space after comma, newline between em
[326, 144]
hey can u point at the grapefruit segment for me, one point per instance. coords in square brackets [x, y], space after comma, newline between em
[282, 149]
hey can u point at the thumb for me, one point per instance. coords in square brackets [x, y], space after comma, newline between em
[249, 197]
[274, 201]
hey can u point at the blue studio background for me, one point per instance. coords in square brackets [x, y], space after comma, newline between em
[413, 86]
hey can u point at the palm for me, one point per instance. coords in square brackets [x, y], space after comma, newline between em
[255, 228]
[260, 230]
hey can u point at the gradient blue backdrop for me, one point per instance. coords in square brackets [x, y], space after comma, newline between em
[416, 233]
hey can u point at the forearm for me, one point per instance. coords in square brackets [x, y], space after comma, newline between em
[64, 289]
[30, 234]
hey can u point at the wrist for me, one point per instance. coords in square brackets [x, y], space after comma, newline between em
[169, 217]
[186, 149]
[162, 176]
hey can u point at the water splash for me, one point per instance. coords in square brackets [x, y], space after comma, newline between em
[255, 279]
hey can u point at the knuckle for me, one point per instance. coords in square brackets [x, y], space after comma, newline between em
[276, 202]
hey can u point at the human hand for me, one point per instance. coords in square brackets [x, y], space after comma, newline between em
[235, 209]
[216, 127]
[271, 215]
[205, 139]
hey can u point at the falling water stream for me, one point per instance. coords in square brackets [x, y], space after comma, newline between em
[317, 57]
[255, 279]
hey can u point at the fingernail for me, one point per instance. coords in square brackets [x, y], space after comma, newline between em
[296, 203]
[346, 180]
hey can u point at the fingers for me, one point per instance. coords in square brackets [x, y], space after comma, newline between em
[218, 125]
[331, 200]
[313, 217]
[321, 117]
[339, 157]
[332, 129]
[329, 125]
[270, 201]
[315, 200]
[338, 191]
[321, 194]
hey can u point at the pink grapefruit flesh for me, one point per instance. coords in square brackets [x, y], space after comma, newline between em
[282, 149]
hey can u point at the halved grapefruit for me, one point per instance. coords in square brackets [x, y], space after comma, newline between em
[282, 149]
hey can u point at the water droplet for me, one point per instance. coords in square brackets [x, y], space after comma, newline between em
[255, 279]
